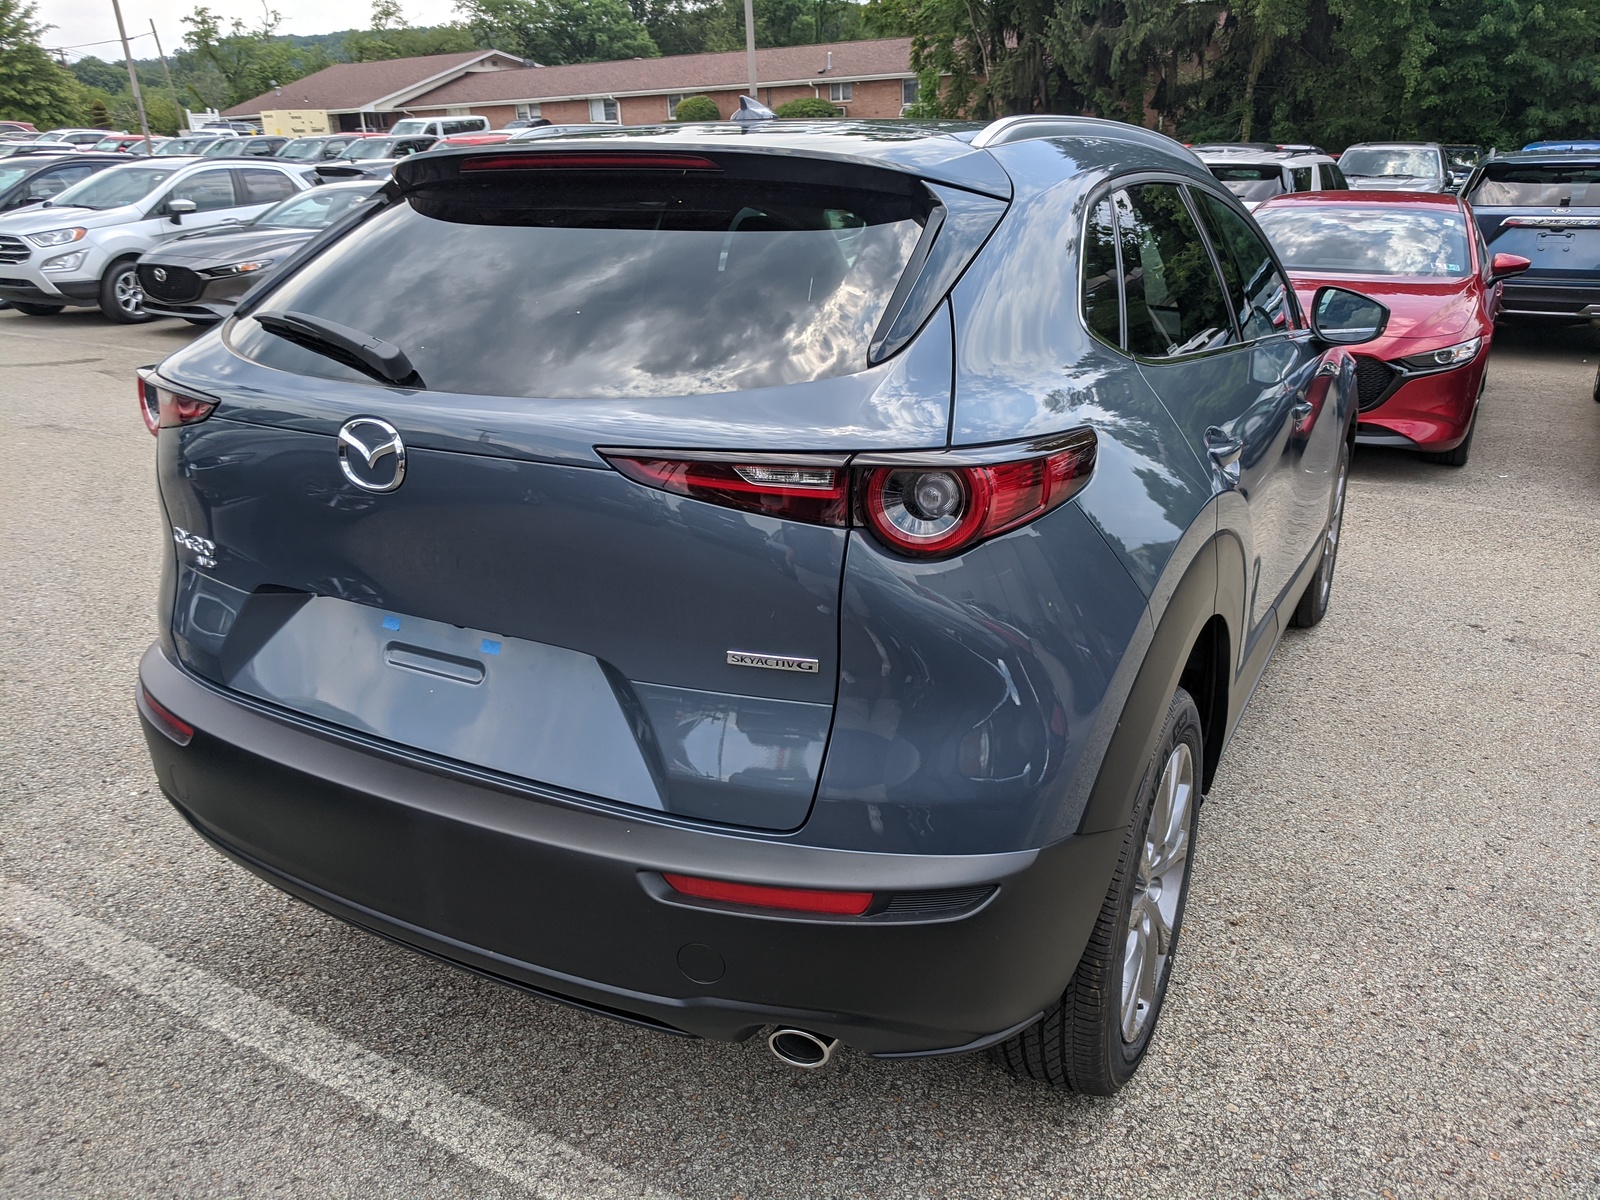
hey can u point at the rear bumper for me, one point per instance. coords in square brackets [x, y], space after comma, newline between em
[1567, 301]
[567, 901]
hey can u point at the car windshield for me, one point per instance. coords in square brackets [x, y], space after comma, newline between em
[1341, 239]
[631, 287]
[217, 147]
[370, 148]
[1373, 162]
[410, 126]
[1251, 182]
[115, 187]
[1554, 185]
[301, 148]
[314, 209]
[109, 144]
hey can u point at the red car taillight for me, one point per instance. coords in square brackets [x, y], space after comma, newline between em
[927, 504]
[844, 904]
[163, 409]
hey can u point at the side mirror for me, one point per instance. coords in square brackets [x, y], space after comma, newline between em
[178, 209]
[1504, 266]
[1340, 317]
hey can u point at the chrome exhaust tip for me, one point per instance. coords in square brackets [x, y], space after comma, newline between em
[801, 1048]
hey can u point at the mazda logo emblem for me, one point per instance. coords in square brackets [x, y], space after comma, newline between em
[160, 273]
[371, 454]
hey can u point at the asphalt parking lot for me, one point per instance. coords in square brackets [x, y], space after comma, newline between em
[1389, 983]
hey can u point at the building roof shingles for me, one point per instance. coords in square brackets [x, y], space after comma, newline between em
[350, 85]
[679, 73]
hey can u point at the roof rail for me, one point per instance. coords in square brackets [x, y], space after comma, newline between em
[1044, 125]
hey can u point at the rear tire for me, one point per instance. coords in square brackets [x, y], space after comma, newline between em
[37, 310]
[1457, 457]
[121, 296]
[1313, 604]
[1093, 1039]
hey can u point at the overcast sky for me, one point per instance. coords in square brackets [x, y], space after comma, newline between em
[80, 21]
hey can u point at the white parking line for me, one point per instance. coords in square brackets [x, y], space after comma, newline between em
[480, 1134]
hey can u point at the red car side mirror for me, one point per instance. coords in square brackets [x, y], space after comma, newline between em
[1503, 266]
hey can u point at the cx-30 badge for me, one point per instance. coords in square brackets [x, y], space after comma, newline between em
[364, 445]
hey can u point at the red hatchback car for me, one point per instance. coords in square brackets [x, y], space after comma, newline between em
[1421, 255]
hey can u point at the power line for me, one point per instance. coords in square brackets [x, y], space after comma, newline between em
[85, 45]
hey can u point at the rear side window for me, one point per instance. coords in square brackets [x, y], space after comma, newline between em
[612, 287]
[1333, 179]
[1102, 297]
[266, 187]
[1260, 293]
[1175, 302]
[1302, 178]
[1537, 185]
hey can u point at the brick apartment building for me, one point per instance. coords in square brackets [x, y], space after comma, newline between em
[860, 79]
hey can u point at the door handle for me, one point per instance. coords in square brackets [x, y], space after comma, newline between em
[1223, 447]
[1301, 410]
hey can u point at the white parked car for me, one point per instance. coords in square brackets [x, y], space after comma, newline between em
[79, 248]
[1256, 173]
[439, 126]
[77, 139]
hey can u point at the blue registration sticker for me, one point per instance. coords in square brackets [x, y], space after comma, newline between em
[391, 622]
[489, 646]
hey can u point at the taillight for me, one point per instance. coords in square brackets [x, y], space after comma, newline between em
[844, 904]
[162, 408]
[796, 488]
[923, 504]
[930, 508]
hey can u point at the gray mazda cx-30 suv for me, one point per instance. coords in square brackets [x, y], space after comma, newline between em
[796, 578]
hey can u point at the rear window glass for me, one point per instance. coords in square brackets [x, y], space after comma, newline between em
[1251, 182]
[1539, 186]
[611, 289]
[1346, 239]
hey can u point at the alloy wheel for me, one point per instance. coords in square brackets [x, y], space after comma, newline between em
[1330, 546]
[129, 294]
[1157, 892]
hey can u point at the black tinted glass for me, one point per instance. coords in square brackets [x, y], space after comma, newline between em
[1260, 294]
[1346, 239]
[1102, 297]
[1175, 303]
[625, 288]
[267, 187]
[1333, 179]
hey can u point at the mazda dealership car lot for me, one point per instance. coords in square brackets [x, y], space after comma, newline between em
[80, 247]
[1420, 254]
[819, 658]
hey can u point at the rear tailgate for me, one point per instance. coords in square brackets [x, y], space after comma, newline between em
[513, 602]
[1548, 213]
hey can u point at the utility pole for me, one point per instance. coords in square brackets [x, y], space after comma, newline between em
[177, 109]
[133, 78]
[749, 44]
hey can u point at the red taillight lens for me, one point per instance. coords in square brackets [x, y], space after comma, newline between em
[588, 160]
[923, 504]
[815, 491]
[174, 727]
[163, 409]
[935, 509]
[846, 904]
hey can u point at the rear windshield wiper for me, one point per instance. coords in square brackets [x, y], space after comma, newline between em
[374, 357]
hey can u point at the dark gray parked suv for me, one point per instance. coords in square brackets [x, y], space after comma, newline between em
[796, 579]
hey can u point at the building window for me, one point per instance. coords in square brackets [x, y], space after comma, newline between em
[458, 112]
[839, 91]
[908, 92]
[527, 112]
[603, 112]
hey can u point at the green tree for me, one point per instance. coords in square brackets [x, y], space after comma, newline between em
[697, 108]
[32, 86]
[99, 115]
[247, 61]
[556, 32]
[806, 108]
